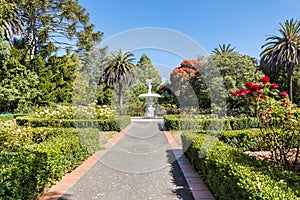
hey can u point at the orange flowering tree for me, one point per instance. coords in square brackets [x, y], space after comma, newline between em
[278, 119]
[186, 86]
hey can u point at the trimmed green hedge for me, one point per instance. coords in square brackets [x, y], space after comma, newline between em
[176, 122]
[233, 175]
[26, 172]
[245, 140]
[5, 117]
[12, 139]
[105, 125]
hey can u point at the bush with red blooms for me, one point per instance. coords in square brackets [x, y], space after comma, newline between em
[186, 87]
[278, 118]
[187, 71]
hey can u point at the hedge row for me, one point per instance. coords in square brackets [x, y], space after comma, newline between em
[5, 117]
[245, 140]
[26, 172]
[104, 125]
[176, 122]
[233, 175]
[12, 139]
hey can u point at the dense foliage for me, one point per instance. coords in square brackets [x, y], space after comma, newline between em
[40, 158]
[278, 119]
[233, 175]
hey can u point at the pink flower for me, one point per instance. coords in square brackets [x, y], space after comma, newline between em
[244, 92]
[256, 99]
[265, 79]
[274, 86]
[284, 94]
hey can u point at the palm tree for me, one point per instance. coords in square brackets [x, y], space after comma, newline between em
[120, 70]
[224, 48]
[282, 52]
[10, 21]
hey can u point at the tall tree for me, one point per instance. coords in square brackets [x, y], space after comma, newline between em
[10, 21]
[18, 84]
[283, 52]
[146, 70]
[235, 69]
[52, 22]
[120, 70]
[224, 48]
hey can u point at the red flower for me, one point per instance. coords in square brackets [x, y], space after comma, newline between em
[162, 86]
[265, 79]
[284, 94]
[263, 96]
[255, 87]
[274, 86]
[249, 85]
[186, 63]
[284, 103]
[289, 113]
[234, 93]
[245, 92]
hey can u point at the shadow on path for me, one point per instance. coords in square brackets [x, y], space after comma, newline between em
[182, 189]
[140, 166]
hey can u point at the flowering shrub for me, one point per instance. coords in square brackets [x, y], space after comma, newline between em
[91, 111]
[278, 119]
[187, 70]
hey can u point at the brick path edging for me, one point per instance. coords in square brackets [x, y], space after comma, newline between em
[195, 183]
[70, 179]
[197, 186]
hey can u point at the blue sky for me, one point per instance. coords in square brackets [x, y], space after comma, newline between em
[243, 24]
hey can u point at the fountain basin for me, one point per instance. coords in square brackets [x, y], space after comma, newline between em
[150, 110]
[147, 95]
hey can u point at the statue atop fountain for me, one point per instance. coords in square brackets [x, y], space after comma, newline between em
[149, 85]
[150, 110]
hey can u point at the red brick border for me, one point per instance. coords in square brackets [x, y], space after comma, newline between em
[196, 184]
[198, 188]
[70, 179]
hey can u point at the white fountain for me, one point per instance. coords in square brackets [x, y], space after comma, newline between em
[150, 110]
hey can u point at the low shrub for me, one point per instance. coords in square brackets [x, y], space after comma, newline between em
[177, 122]
[6, 117]
[12, 138]
[245, 140]
[104, 125]
[28, 171]
[233, 175]
[78, 112]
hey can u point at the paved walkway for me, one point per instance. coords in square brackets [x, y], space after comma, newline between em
[142, 162]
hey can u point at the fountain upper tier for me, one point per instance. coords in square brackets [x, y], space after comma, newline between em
[149, 94]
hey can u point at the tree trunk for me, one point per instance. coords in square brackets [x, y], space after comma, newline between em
[32, 35]
[290, 82]
[120, 94]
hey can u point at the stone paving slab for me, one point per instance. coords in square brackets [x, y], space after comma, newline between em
[140, 163]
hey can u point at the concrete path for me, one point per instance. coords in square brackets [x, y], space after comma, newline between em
[140, 164]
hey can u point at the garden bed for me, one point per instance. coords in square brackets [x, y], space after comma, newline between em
[267, 156]
[230, 174]
[116, 124]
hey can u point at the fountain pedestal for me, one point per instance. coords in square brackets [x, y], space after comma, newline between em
[150, 110]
